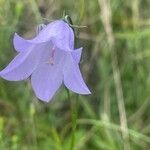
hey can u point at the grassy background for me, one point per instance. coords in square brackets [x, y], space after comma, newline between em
[116, 67]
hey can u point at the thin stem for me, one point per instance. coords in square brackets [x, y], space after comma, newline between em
[73, 119]
[32, 121]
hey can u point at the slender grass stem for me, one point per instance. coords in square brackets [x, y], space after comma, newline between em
[106, 20]
[134, 134]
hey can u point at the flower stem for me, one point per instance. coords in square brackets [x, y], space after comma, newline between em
[73, 119]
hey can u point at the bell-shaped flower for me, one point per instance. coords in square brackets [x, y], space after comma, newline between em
[49, 60]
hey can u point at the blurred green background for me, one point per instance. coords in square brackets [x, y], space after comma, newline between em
[116, 67]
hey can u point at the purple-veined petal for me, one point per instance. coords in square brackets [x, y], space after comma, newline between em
[23, 64]
[73, 79]
[76, 54]
[46, 80]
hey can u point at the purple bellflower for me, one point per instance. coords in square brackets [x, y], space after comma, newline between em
[49, 59]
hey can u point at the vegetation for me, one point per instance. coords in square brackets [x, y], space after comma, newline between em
[116, 67]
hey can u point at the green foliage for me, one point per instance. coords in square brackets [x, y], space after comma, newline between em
[27, 123]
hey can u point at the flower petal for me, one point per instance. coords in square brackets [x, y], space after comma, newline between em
[59, 32]
[46, 80]
[76, 54]
[23, 64]
[21, 44]
[72, 77]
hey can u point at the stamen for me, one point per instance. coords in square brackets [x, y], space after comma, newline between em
[51, 60]
[53, 51]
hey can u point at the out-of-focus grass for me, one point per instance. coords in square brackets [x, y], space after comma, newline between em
[27, 123]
